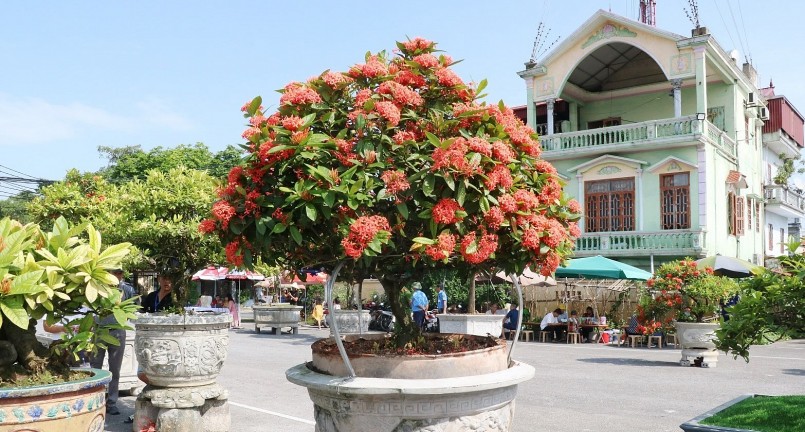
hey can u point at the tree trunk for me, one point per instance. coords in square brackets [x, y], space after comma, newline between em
[471, 294]
[31, 354]
[404, 328]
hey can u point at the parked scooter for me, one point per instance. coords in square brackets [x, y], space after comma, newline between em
[381, 318]
[431, 322]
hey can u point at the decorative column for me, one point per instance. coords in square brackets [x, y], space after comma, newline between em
[580, 196]
[639, 187]
[574, 117]
[701, 79]
[549, 104]
[531, 109]
[677, 86]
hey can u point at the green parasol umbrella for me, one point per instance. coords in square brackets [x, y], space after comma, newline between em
[599, 267]
[727, 266]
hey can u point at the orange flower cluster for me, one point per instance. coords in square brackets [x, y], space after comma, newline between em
[362, 232]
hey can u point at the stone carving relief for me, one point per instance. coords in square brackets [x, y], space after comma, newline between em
[606, 32]
[609, 169]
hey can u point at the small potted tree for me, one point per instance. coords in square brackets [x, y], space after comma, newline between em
[394, 169]
[61, 277]
[689, 300]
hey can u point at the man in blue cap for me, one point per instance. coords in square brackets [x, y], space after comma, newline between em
[419, 304]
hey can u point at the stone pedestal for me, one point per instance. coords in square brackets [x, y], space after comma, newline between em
[350, 321]
[183, 409]
[474, 324]
[277, 316]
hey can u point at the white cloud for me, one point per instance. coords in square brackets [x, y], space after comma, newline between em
[32, 120]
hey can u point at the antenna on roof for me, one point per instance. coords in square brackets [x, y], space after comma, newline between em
[648, 12]
[540, 43]
[693, 13]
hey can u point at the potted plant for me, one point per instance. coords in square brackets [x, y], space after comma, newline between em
[395, 169]
[689, 300]
[61, 276]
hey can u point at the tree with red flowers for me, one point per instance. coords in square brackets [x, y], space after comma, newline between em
[396, 167]
[680, 284]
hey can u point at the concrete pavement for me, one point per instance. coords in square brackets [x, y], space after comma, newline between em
[577, 388]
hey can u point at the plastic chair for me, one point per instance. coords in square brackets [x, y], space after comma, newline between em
[575, 336]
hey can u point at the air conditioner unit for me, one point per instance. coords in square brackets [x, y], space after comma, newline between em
[751, 97]
[763, 113]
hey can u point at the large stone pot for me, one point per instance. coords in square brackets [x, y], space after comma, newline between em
[465, 391]
[697, 341]
[182, 350]
[75, 406]
[474, 324]
[277, 316]
[350, 321]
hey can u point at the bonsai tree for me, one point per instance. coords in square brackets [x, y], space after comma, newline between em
[158, 215]
[395, 167]
[61, 276]
[681, 291]
[771, 307]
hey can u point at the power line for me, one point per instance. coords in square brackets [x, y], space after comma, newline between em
[743, 23]
[737, 31]
[726, 27]
[20, 173]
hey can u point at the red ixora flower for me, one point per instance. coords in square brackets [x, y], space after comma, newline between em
[444, 211]
[444, 247]
[362, 232]
[395, 181]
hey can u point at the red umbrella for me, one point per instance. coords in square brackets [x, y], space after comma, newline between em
[212, 273]
[240, 275]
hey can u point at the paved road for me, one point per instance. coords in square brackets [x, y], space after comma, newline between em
[577, 387]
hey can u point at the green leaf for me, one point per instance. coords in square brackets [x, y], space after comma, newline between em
[297, 236]
[428, 185]
[433, 139]
[26, 283]
[329, 198]
[311, 212]
[472, 247]
[484, 204]
[261, 226]
[461, 194]
[481, 86]
[255, 105]
[279, 228]
[120, 316]
[424, 240]
[403, 209]
[450, 182]
[12, 307]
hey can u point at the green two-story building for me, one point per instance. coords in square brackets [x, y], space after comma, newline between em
[658, 136]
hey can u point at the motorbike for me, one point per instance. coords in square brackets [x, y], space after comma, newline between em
[431, 322]
[381, 318]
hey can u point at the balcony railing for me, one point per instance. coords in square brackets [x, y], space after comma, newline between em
[680, 242]
[783, 195]
[682, 128]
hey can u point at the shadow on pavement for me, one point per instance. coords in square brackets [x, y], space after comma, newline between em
[798, 372]
[629, 362]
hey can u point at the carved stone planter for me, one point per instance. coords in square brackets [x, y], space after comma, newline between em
[74, 406]
[697, 341]
[182, 350]
[474, 324]
[446, 396]
[277, 316]
[348, 320]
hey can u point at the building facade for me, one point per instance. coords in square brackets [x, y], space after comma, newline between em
[661, 139]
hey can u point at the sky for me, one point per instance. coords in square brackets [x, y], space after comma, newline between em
[81, 74]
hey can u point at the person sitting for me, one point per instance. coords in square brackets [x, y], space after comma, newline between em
[549, 323]
[318, 313]
[573, 322]
[587, 318]
[494, 309]
[511, 321]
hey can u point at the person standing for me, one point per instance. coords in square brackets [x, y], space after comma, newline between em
[441, 300]
[115, 351]
[233, 309]
[161, 299]
[419, 304]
